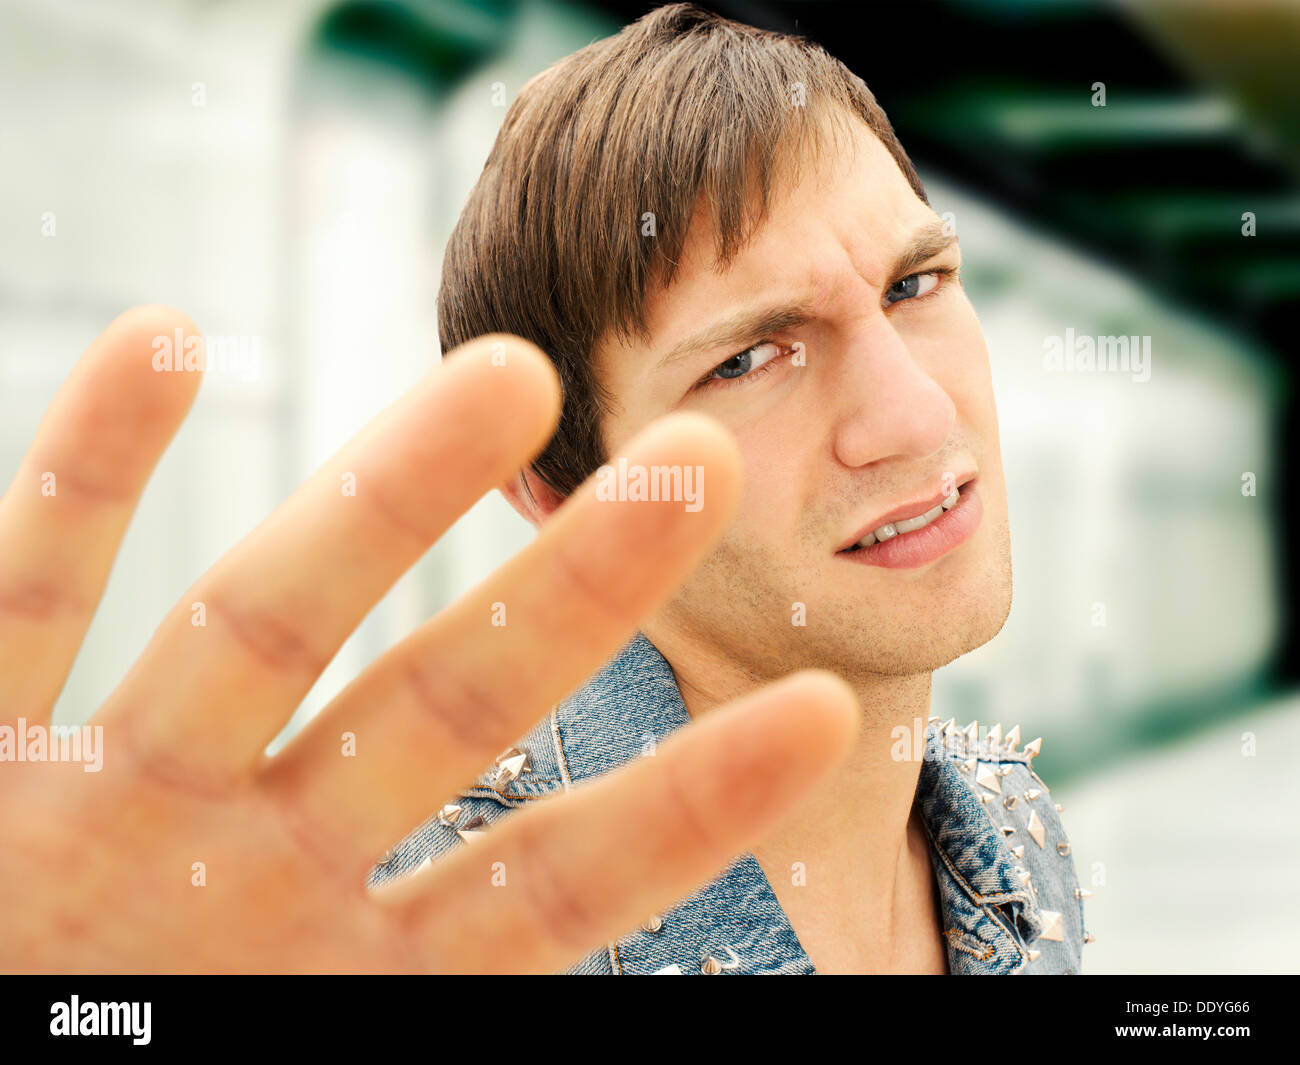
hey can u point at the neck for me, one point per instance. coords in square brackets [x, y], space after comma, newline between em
[857, 826]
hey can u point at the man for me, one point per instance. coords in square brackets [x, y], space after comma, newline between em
[188, 849]
[695, 215]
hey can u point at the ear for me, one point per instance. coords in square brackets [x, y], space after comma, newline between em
[544, 500]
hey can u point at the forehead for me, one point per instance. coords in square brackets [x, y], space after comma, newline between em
[845, 219]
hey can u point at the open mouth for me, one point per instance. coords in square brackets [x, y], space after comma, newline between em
[936, 527]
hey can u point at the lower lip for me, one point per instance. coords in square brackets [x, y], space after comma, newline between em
[922, 546]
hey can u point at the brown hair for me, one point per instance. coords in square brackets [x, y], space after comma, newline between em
[680, 104]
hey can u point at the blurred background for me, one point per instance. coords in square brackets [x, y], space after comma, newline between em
[288, 173]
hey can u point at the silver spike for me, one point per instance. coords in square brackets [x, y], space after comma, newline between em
[987, 778]
[510, 765]
[1060, 807]
[449, 815]
[1082, 893]
[934, 721]
[968, 766]
[995, 736]
[472, 829]
[652, 923]
[1013, 737]
[711, 966]
[388, 856]
[1063, 849]
[985, 798]
[1033, 747]
[1053, 926]
[1009, 802]
[1088, 937]
[1005, 770]
[1036, 830]
[1008, 830]
[947, 729]
[1019, 852]
[1032, 794]
[972, 734]
[1024, 875]
[1034, 955]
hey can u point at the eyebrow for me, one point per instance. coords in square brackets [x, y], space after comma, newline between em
[745, 325]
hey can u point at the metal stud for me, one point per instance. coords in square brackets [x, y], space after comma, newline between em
[1009, 802]
[985, 798]
[1033, 747]
[1036, 830]
[989, 779]
[973, 733]
[1062, 849]
[711, 966]
[932, 722]
[1008, 830]
[1032, 794]
[388, 856]
[449, 815]
[668, 970]
[1005, 770]
[472, 829]
[995, 736]
[1034, 955]
[1019, 852]
[510, 765]
[652, 923]
[1082, 893]
[1053, 926]
[1088, 937]
[1060, 807]
[948, 728]
[1024, 874]
[968, 766]
[1013, 737]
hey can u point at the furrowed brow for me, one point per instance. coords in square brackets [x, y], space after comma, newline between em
[747, 326]
[740, 328]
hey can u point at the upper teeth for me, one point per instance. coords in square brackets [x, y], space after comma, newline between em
[893, 528]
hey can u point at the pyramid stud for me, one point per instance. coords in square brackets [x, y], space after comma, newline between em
[1005, 770]
[932, 722]
[985, 798]
[1060, 807]
[668, 970]
[989, 779]
[948, 727]
[653, 923]
[1019, 852]
[972, 733]
[1009, 802]
[1008, 830]
[388, 857]
[1033, 747]
[968, 766]
[510, 766]
[1013, 738]
[711, 966]
[1036, 830]
[1053, 926]
[1034, 955]
[1024, 875]
[1088, 937]
[426, 864]
[995, 736]
[1082, 893]
[449, 815]
[1032, 794]
[1063, 849]
[472, 829]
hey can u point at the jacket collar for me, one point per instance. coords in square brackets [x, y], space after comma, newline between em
[634, 704]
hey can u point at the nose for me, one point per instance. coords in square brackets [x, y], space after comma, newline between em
[888, 405]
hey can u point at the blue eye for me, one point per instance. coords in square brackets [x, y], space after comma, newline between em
[743, 363]
[913, 286]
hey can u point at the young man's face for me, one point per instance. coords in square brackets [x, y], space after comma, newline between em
[892, 406]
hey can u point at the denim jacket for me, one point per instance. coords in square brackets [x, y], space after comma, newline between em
[1011, 901]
